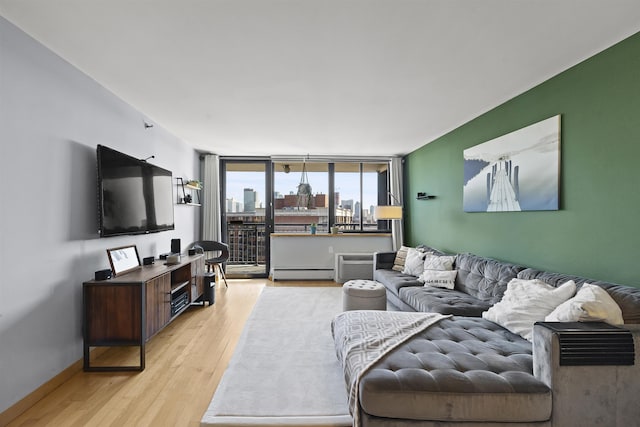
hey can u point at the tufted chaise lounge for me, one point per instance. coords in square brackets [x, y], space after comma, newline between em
[463, 369]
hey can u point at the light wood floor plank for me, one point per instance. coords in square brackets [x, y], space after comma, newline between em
[184, 364]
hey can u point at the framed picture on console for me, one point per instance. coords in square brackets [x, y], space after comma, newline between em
[123, 259]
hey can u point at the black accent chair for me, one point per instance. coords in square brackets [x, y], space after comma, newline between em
[220, 256]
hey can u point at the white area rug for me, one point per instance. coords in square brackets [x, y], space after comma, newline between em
[284, 370]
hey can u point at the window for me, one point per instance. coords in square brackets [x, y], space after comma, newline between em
[301, 197]
[327, 194]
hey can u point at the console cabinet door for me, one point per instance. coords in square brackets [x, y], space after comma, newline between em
[197, 279]
[158, 303]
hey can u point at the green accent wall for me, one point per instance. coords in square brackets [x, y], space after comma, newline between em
[596, 232]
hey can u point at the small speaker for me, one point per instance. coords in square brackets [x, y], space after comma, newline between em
[175, 246]
[192, 251]
[103, 274]
[148, 260]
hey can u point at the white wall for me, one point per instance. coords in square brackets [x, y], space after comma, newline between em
[51, 119]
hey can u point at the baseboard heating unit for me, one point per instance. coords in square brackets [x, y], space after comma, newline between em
[302, 274]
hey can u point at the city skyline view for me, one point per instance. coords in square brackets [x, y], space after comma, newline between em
[347, 185]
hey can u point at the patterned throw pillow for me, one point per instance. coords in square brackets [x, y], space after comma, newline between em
[433, 265]
[401, 256]
[439, 278]
[435, 262]
[414, 263]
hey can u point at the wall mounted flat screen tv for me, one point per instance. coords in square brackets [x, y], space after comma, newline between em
[134, 196]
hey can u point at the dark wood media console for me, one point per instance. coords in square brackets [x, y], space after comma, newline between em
[130, 309]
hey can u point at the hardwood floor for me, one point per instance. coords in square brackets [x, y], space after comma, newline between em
[184, 363]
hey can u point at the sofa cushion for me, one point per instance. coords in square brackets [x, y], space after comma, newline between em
[484, 278]
[395, 280]
[460, 369]
[430, 299]
[627, 297]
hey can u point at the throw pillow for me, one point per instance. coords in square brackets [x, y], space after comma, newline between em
[414, 263]
[526, 302]
[591, 304]
[435, 262]
[401, 256]
[440, 278]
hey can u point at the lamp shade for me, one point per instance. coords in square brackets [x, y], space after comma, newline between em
[387, 212]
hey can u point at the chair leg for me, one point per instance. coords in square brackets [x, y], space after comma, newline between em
[221, 270]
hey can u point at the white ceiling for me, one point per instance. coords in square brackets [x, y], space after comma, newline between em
[320, 77]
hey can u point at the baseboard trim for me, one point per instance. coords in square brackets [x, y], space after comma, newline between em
[21, 406]
[302, 274]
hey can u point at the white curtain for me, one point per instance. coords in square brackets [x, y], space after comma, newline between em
[395, 182]
[211, 212]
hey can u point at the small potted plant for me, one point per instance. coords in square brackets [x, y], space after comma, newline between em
[195, 184]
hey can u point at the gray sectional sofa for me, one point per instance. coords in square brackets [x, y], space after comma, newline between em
[467, 371]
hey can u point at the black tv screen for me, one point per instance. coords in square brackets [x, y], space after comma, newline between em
[134, 196]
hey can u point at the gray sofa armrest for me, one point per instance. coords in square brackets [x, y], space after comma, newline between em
[587, 395]
[383, 260]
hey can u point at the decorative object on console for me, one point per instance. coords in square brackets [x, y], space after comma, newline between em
[519, 171]
[173, 259]
[148, 260]
[175, 246]
[123, 259]
[103, 274]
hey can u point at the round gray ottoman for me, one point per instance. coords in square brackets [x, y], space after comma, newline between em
[363, 295]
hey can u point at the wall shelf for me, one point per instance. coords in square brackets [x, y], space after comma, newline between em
[190, 193]
[425, 196]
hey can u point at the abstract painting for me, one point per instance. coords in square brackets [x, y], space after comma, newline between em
[519, 171]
